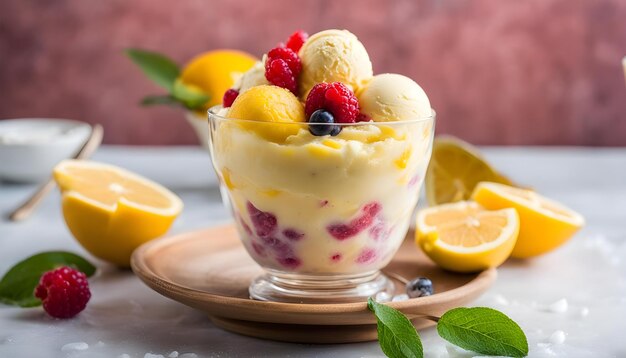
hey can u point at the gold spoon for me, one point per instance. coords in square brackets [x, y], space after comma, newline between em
[28, 207]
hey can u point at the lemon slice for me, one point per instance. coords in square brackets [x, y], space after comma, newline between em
[544, 224]
[455, 169]
[112, 211]
[464, 237]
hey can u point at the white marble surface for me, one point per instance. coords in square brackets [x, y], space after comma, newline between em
[126, 317]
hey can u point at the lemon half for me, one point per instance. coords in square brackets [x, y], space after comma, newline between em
[111, 211]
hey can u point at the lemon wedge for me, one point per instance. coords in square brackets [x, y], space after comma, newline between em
[464, 237]
[544, 224]
[455, 169]
[111, 211]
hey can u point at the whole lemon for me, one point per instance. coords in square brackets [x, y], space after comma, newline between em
[216, 71]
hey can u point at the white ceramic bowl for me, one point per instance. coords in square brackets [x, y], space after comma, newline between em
[31, 147]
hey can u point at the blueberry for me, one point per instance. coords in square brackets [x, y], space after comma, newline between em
[419, 287]
[323, 118]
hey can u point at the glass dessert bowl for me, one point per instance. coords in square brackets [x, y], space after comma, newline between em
[321, 214]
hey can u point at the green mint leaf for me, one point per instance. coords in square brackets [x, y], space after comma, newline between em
[483, 330]
[18, 285]
[190, 96]
[157, 67]
[396, 335]
[160, 100]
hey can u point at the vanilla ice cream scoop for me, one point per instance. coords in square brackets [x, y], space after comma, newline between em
[392, 97]
[333, 56]
[255, 76]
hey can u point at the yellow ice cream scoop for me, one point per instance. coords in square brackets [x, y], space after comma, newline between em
[392, 97]
[272, 112]
[333, 56]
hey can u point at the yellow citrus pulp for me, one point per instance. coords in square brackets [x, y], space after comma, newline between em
[214, 72]
[112, 211]
[455, 169]
[464, 237]
[544, 224]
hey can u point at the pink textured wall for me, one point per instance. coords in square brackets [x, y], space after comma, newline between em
[498, 72]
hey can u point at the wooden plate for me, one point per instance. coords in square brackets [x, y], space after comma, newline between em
[210, 270]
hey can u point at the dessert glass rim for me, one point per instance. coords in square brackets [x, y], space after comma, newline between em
[212, 112]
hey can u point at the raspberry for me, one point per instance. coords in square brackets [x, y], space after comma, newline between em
[229, 97]
[296, 40]
[356, 225]
[363, 118]
[64, 292]
[289, 56]
[282, 67]
[293, 234]
[278, 73]
[283, 252]
[316, 98]
[289, 262]
[264, 223]
[334, 97]
[366, 256]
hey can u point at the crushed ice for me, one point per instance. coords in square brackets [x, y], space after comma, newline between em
[610, 251]
[399, 298]
[557, 337]
[584, 312]
[382, 297]
[75, 346]
[559, 306]
[501, 300]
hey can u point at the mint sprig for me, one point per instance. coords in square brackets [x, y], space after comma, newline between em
[166, 73]
[483, 330]
[396, 335]
[159, 100]
[480, 329]
[156, 67]
[190, 96]
[18, 284]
